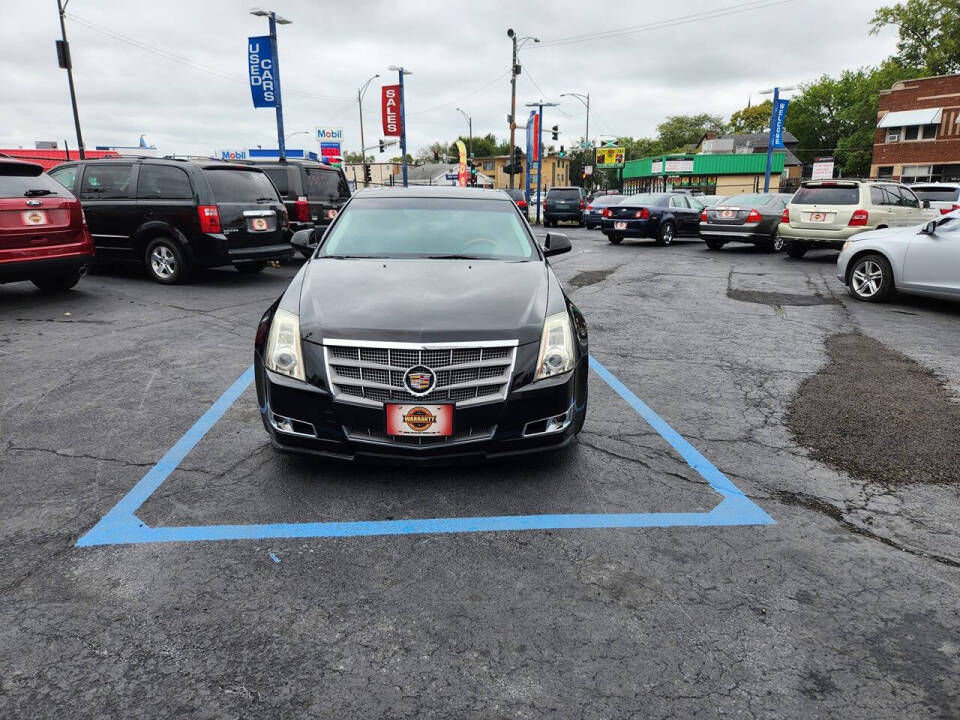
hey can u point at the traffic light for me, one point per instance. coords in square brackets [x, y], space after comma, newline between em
[561, 153]
[382, 146]
[436, 156]
[367, 177]
[556, 132]
[473, 173]
[517, 160]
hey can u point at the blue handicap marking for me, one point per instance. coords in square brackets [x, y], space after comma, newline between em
[122, 526]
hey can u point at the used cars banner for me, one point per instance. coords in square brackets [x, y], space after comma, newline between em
[260, 63]
[390, 108]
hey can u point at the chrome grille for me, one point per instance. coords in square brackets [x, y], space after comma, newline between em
[372, 374]
[471, 434]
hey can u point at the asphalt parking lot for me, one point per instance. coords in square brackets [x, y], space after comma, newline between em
[825, 591]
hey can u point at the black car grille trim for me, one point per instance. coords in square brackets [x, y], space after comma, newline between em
[372, 375]
[369, 435]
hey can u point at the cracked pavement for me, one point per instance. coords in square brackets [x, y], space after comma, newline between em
[847, 607]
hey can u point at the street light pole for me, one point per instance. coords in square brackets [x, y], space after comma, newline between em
[403, 120]
[274, 21]
[360, 94]
[469, 128]
[66, 62]
[585, 99]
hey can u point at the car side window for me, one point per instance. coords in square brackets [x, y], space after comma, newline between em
[694, 203]
[163, 183]
[890, 195]
[107, 182]
[678, 201]
[66, 176]
[909, 199]
[877, 195]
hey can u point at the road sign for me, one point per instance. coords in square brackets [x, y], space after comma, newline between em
[588, 169]
[610, 157]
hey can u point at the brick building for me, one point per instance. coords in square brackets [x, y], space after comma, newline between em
[918, 131]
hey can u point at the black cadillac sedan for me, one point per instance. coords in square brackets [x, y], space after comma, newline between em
[752, 218]
[427, 326]
[660, 216]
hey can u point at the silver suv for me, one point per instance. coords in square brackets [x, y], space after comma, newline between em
[826, 213]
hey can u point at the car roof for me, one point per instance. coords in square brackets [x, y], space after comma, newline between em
[434, 191]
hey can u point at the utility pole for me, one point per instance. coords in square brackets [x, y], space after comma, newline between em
[514, 71]
[540, 105]
[469, 128]
[63, 54]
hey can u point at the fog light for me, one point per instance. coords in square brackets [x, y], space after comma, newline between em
[292, 426]
[557, 423]
[282, 423]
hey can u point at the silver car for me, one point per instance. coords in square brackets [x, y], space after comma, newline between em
[920, 260]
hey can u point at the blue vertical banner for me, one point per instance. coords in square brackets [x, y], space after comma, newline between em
[779, 115]
[262, 72]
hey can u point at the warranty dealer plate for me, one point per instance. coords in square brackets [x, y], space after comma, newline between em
[434, 420]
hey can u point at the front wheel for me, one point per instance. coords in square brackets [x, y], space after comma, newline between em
[797, 250]
[615, 239]
[249, 268]
[715, 244]
[871, 279]
[57, 283]
[666, 234]
[166, 262]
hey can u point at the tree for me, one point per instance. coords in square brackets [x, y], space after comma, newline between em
[356, 158]
[752, 119]
[482, 146]
[929, 34]
[679, 131]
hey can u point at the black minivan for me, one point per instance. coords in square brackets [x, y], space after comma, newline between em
[176, 215]
[312, 192]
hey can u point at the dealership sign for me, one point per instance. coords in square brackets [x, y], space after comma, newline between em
[390, 110]
[822, 168]
[776, 130]
[260, 64]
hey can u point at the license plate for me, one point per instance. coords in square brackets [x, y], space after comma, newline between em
[435, 420]
[259, 224]
[34, 217]
[726, 213]
[818, 217]
[619, 226]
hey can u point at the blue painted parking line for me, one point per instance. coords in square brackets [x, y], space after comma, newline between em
[122, 526]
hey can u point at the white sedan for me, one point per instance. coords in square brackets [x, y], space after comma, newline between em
[920, 260]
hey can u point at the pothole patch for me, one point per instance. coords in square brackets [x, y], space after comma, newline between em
[591, 277]
[774, 298]
[878, 415]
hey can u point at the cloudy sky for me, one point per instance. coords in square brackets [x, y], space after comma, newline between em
[176, 70]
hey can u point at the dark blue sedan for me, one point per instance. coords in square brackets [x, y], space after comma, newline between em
[659, 216]
[592, 216]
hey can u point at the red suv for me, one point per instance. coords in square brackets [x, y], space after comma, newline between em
[43, 234]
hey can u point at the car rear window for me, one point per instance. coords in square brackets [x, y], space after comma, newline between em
[936, 194]
[563, 195]
[325, 184]
[427, 227]
[648, 199]
[749, 199]
[281, 178]
[19, 181]
[605, 200]
[231, 185]
[827, 195]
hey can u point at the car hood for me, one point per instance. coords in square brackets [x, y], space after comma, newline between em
[423, 301]
[886, 233]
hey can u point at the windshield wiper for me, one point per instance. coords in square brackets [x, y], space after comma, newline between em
[38, 191]
[266, 199]
[355, 257]
[457, 257]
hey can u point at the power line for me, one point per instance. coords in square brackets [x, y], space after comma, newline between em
[188, 62]
[459, 99]
[672, 22]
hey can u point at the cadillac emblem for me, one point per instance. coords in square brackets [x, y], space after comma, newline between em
[419, 380]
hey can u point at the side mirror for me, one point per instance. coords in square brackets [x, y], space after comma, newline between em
[303, 238]
[930, 228]
[556, 244]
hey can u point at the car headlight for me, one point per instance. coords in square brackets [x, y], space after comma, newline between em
[283, 353]
[556, 347]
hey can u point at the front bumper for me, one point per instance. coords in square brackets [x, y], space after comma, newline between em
[332, 428]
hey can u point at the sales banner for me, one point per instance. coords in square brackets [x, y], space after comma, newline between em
[462, 167]
[533, 138]
[611, 157]
[776, 129]
[260, 64]
[390, 109]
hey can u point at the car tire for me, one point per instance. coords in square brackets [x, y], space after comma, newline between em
[615, 239]
[870, 278]
[714, 244]
[581, 223]
[666, 234]
[775, 244]
[250, 268]
[166, 261]
[796, 250]
[57, 283]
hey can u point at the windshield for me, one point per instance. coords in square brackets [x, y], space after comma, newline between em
[645, 199]
[937, 194]
[563, 195]
[827, 195]
[429, 228]
[324, 184]
[240, 185]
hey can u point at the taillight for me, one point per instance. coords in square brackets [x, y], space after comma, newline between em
[302, 209]
[589, 207]
[642, 214]
[859, 218]
[944, 211]
[209, 218]
[607, 212]
[785, 218]
[754, 217]
[522, 204]
[703, 216]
